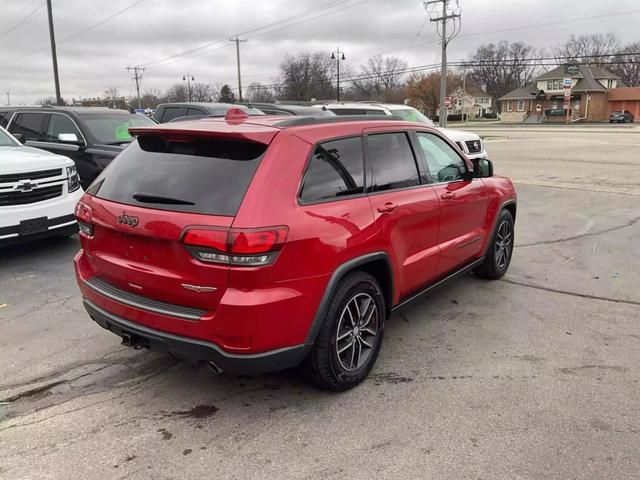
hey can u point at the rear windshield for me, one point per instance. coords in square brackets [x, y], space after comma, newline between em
[113, 129]
[207, 176]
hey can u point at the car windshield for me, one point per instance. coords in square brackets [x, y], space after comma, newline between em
[6, 140]
[412, 115]
[114, 128]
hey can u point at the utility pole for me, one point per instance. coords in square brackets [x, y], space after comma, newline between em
[189, 78]
[137, 76]
[8, 92]
[337, 56]
[444, 41]
[54, 57]
[464, 96]
[237, 40]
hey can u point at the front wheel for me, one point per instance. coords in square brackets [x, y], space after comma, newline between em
[350, 336]
[500, 250]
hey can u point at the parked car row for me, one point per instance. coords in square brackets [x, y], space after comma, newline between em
[93, 136]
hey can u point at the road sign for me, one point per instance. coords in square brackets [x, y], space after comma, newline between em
[447, 102]
[566, 83]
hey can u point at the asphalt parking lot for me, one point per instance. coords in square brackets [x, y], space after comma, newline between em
[531, 377]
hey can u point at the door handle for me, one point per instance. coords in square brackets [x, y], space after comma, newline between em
[387, 207]
[448, 195]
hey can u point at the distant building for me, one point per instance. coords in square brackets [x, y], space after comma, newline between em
[475, 102]
[543, 99]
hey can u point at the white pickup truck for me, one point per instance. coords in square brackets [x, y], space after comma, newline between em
[38, 192]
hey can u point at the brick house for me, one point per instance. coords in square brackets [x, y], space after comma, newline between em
[543, 99]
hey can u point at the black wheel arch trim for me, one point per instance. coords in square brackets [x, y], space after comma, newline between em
[495, 222]
[338, 275]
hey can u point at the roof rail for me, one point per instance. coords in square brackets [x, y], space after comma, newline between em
[300, 121]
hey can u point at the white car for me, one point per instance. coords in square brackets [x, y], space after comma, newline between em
[468, 142]
[38, 192]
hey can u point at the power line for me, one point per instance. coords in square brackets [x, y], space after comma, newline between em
[84, 30]
[522, 27]
[105, 20]
[24, 19]
[222, 43]
[541, 61]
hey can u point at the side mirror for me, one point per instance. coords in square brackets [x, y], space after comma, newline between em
[19, 137]
[482, 168]
[68, 138]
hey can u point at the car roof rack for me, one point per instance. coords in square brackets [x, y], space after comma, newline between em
[301, 121]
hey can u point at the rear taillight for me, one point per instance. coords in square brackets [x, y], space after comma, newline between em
[83, 215]
[239, 247]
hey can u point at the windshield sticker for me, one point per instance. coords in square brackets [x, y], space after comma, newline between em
[122, 132]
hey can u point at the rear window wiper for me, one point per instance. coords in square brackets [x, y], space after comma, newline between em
[153, 198]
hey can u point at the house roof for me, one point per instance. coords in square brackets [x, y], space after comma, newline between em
[585, 72]
[476, 91]
[521, 93]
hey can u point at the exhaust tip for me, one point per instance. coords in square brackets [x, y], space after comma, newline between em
[215, 368]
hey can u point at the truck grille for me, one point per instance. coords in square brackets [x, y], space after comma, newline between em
[15, 177]
[37, 195]
[474, 146]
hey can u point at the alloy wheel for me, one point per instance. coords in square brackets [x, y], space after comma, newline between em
[504, 240]
[357, 332]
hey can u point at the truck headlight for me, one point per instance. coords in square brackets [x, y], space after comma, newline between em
[73, 179]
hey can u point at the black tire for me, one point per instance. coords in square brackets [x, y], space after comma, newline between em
[495, 264]
[324, 366]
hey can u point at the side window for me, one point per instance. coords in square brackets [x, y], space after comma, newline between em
[171, 113]
[335, 171]
[390, 162]
[4, 118]
[195, 111]
[30, 126]
[443, 163]
[60, 124]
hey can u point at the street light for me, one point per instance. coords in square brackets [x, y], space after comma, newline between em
[337, 56]
[189, 78]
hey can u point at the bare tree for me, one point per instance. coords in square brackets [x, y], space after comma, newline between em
[504, 66]
[306, 76]
[380, 78]
[626, 64]
[423, 90]
[256, 92]
[593, 49]
[177, 93]
[201, 92]
[112, 93]
[151, 98]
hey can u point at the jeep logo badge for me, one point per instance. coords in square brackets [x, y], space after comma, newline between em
[127, 220]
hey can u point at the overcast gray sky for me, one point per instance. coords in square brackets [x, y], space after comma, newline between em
[150, 32]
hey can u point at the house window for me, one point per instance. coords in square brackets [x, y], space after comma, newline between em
[521, 105]
[611, 83]
[549, 85]
[509, 109]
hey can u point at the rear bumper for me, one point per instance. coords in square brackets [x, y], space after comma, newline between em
[197, 350]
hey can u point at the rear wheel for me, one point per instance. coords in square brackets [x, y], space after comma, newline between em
[350, 336]
[500, 249]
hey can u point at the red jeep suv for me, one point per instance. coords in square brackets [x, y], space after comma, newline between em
[259, 244]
